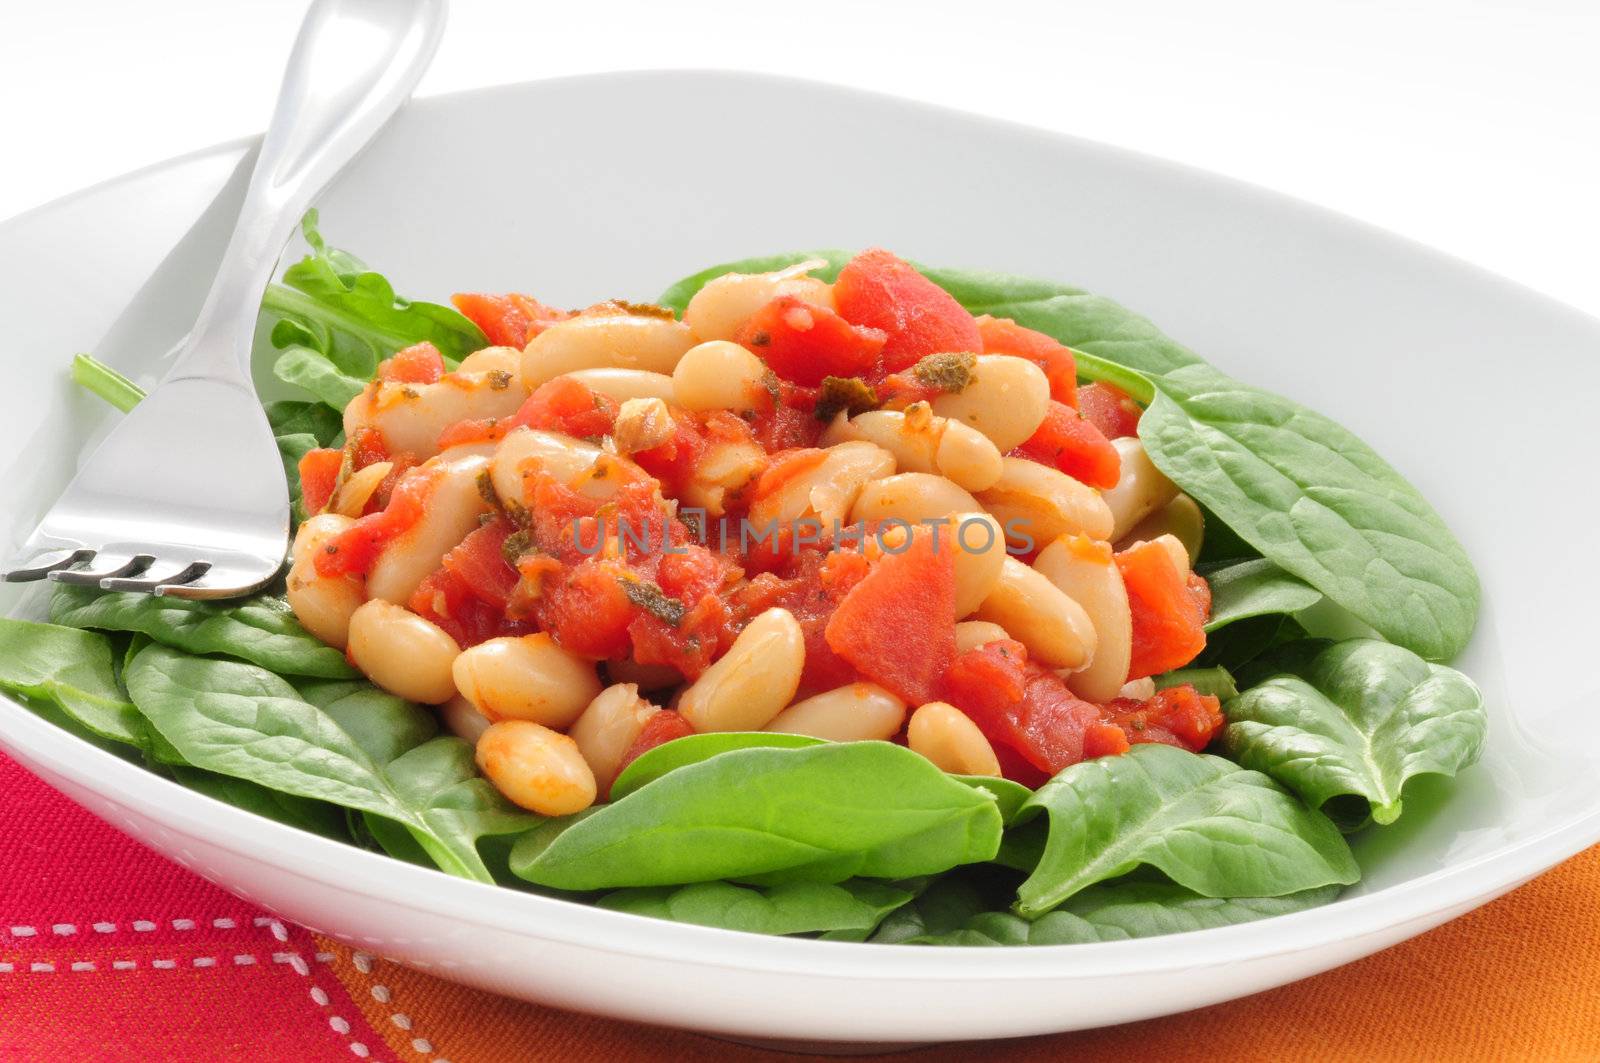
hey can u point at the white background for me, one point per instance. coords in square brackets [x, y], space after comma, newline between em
[1470, 125]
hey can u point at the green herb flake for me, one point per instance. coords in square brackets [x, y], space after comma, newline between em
[947, 372]
[849, 393]
[653, 600]
[516, 545]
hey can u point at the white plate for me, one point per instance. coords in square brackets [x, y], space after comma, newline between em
[576, 190]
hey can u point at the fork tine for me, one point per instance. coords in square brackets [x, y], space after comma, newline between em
[39, 565]
[103, 566]
[153, 578]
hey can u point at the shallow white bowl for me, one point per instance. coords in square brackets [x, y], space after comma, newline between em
[577, 190]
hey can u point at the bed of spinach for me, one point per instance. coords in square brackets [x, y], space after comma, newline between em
[858, 842]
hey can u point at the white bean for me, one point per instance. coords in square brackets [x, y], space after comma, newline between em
[1006, 399]
[972, 634]
[323, 604]
[722, 471]
[923, 442]
[718, 375]
[608, 727]
[528, 677]
[493, 360]
[945, 735]
[450, 510]
[859, 712]
[314, 533]
[1181, 518]
[1039, 504]
[573, 462]
[410, 417]
[912, 497]
[980, 549]
[537, 768]
[725, 303]
[463, 720]
[753, 681]
[1141, 489]
[403, 653]
[1085, 571]
[625, 384]
[827, 491]
[1053, 627]
[642, 424]
[352, 496]
[605, 341]
[1138, 689]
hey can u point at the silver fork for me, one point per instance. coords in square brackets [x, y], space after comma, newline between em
[186, 496]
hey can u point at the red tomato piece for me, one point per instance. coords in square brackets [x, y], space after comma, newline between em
[1001, 335]
[803, 343]
[356, 549]
[480, 562]
[421, 363]
[319, 471]
[586, 609]
[898, 625]
[560, 405]
[662, 727]
[1169, 609]
[452, 603]
[1109, 409]
[1066, 441]
[508, 320]
[1177, 716]
[878, 290]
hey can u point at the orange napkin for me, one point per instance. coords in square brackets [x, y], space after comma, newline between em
[1518, 979]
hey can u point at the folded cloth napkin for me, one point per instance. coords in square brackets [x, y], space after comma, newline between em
[111, 953]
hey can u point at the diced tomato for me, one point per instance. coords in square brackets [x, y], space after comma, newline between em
[787, 420]
[319, 472]
[662, 727]
[1177, 716]
[451, 603]
[1001, 335]
[898, 625]
[480, 562]
[1068, 442]
[560, 405]
[1169, 610]
[1109, 409]
[367, 447]
[508, 320]
[878, 290]
[803, 343]
[421, 363]
[356, 549]
[810, 586]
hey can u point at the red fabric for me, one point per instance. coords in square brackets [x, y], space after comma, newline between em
[110, 953]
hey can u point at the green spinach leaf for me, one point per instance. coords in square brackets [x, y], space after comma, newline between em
[789, 908]
[1360, 719]
[1205, 822]
[677, 297]
[261, 630]
[692, 749]
[318, 817]
[73, 670]
[1216, 681]
[1255, 588]
[821, 813]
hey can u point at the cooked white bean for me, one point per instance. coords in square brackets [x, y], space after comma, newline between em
[1043, 504]
[1141, 489]
[605, 341]
[753, 681]
[717, 310]
[827, 491]
[1085, 571]
[537, 768]
[912, 497]
[1053, 627]
[463, 720]
[625, 384]
[859, 712]
[575, 463]
[642, 424]
[945, 735]
[352, 496]
[1181, 518]
[608, 727]
[314, 533]
[1006, 399]
[921, 441]
[528, 677]
[721, 472]
[403, 653]
[451, 509]
[410, 417]
[323, 604]
[718, 375]
[493, 360]
[1139, 689]
[979, 545]
[971, 634]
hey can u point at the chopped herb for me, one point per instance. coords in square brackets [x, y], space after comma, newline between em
[653, 600]
[486, 489]
[844, 393]
[947, 372]
[517, 544]
[643, 309]
[499, 379]
[769, 380]
[410, 392]
[761, 339]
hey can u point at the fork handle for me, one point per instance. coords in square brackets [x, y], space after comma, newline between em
[354, 63]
